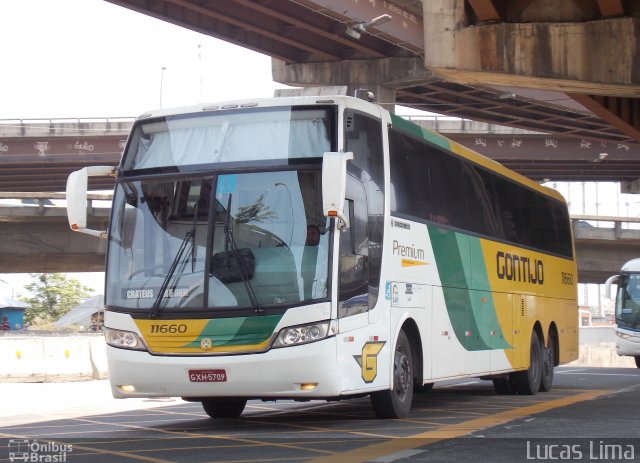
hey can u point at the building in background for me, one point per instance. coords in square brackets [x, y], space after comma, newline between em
[14, 311]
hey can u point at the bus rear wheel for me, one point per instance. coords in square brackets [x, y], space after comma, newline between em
[548, 363]
[503, 386]
[638, 361]
[528, 382]
[423, 388]
[224, 408]
[396, 402]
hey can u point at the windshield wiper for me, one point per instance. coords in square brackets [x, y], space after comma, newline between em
[194, 248]
[230, 242]
[188, 237]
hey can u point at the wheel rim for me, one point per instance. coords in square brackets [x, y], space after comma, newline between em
[402, 374]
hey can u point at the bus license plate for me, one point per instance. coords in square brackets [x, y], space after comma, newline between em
[208, 376]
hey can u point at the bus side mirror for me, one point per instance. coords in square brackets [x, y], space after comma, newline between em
[334, 185]
[77, 198]
[608, 283]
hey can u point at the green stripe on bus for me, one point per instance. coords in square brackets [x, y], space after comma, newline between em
[238, 331]
[417, 131]
[485, 312]
[461, 267]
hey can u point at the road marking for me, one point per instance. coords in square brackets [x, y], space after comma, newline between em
[393, 446]
[397, 456]
[602, 374]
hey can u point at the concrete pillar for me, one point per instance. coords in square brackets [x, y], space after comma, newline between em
[382, 76]
[593, 57]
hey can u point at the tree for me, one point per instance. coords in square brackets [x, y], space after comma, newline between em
[52, 295]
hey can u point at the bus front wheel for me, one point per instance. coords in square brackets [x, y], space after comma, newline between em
[224, 408]
[396, 402]
[528, 382]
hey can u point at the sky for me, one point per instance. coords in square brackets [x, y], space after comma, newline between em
[90, 58]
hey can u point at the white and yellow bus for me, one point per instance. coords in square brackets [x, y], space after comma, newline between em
[323, 248]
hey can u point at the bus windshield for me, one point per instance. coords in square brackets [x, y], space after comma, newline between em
[266, 134]
[628, 301]
[259, 240]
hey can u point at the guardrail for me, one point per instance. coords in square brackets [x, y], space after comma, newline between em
[72, 126]
[583, 229]
[41, 200]
[579, 221]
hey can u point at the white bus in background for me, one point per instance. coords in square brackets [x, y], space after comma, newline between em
[627, 309]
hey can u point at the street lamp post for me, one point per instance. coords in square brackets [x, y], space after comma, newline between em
[161, 81]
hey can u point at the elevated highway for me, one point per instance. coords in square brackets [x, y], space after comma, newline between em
[36, 238]
[38, 155]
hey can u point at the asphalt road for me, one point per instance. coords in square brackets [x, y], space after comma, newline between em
[592, 414]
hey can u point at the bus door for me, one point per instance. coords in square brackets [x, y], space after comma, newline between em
[353, 301]
[360, 355]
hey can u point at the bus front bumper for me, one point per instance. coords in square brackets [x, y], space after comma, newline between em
[627, 342]
[298, 372]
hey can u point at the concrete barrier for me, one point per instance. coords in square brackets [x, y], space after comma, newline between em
[602, 355]
[27, 358]
[76, 357]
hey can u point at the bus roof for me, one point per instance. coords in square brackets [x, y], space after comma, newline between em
[631, 266]
[259, 103]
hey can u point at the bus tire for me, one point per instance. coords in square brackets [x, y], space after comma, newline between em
[224, 408]
[548, 363]
[638, 361]
[503, 386]
[396, 402]
[423, 388]
[528, 382]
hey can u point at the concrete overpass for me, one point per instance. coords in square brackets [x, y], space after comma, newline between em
[37, 239]
[38, 155]
[565, 67]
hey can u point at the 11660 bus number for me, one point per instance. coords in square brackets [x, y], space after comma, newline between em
[166, 328]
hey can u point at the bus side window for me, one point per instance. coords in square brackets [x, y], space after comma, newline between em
[353, 263]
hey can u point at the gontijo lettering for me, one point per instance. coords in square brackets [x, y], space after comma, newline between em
[519, 268]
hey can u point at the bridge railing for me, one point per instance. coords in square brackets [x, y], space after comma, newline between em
[43, 200]
[72, 126]
[448, 124]
[596, 227]
[602, 227]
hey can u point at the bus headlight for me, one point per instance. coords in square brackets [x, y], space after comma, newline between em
[304, 334]
[123, 339]
[622, 335]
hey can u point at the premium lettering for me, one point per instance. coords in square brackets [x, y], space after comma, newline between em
[407, 251]
[522, 269]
